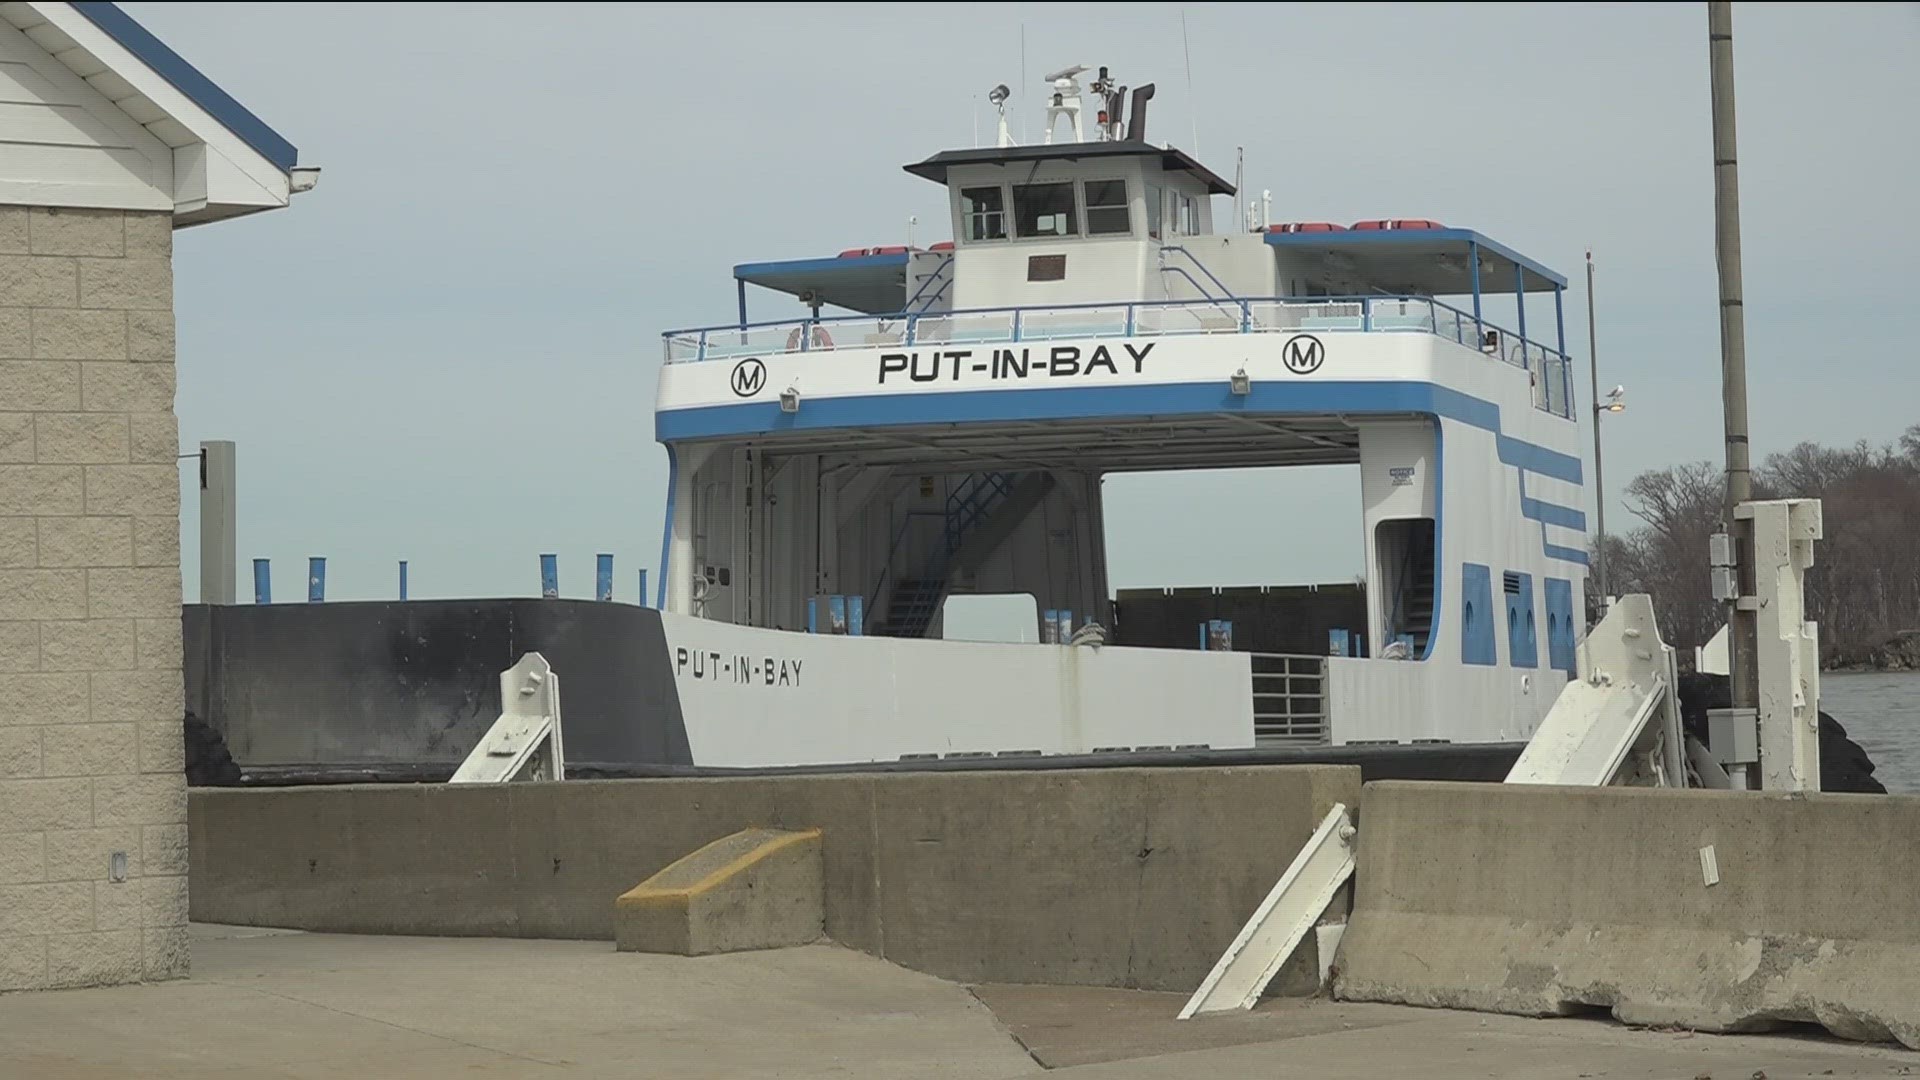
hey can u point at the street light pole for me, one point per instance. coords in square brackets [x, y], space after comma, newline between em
[1599, 480]
[1741, 628]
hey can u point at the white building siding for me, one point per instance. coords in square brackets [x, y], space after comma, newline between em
[65, 144]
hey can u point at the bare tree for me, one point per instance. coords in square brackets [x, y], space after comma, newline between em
[1865, 584]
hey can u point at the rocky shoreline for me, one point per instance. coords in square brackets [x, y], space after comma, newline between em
[1901, 652]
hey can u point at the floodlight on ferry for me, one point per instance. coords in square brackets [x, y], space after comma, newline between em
[1240, 383]
[790, 400]
[999, 95]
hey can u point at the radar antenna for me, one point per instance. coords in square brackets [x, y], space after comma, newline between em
[1065, 100]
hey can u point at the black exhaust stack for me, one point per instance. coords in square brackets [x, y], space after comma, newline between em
[1137, 123]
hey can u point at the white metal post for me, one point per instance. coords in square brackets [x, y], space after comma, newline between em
[219, 566]
[826, 565]
[1787, 648]
[680, 570]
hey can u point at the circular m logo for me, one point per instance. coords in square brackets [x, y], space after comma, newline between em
[1303, 354]
[749, 377]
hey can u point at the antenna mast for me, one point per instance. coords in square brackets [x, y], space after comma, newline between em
[1239, 183]
[1193, 108]
[1023, 82]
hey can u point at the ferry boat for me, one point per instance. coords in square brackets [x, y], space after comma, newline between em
[938, 422]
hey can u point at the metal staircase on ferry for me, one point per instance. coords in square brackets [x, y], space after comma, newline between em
[981, 512]
[932, 288]
[1229, 311]
[929, 290]
[1417, 620]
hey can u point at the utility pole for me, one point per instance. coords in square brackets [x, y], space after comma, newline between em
[1599, 481]
[1743, 646]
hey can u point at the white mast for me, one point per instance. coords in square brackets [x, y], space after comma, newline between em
[1239, 182]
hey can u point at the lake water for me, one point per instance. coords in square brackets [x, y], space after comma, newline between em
[1881, 710]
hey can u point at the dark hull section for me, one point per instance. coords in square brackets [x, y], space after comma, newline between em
[379, 686]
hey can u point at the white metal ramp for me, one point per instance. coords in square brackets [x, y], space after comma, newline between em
[1619, 723]
[524, 743]
[1281, 921]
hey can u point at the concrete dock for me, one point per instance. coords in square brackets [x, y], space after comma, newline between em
[276, 1005]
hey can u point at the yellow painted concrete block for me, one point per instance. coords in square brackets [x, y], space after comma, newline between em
[753, 889]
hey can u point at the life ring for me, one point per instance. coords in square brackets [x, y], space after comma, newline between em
[821, 339]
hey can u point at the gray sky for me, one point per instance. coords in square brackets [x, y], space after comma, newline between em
[447, 352]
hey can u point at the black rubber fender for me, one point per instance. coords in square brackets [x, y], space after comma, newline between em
[1844, 764]
[209, 764]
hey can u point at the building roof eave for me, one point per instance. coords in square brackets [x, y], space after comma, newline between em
[224, 160]
[936, 167]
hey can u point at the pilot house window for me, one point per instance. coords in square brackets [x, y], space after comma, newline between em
[1107, 209]
[1044, 210]
[1186, 215]
[985, 213]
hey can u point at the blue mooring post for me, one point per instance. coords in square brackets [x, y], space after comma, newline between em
[643, 586]
[262, 581]
[550, 576]
[316, 580]
[603, 578]
[403, 579]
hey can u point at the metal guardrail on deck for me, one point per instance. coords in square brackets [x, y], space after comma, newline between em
[1225, 315]
[1289, 699]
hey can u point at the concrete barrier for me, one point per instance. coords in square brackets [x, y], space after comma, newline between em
[1108, 877]
[754, 889]
[1541, 901]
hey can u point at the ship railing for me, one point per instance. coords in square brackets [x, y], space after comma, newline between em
[685, 345]
[1547, 367]
[1289, 699]
[967, 327]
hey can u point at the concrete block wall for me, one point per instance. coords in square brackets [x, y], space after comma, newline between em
[1102, 877]
[90, 684]
[1539, 900]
